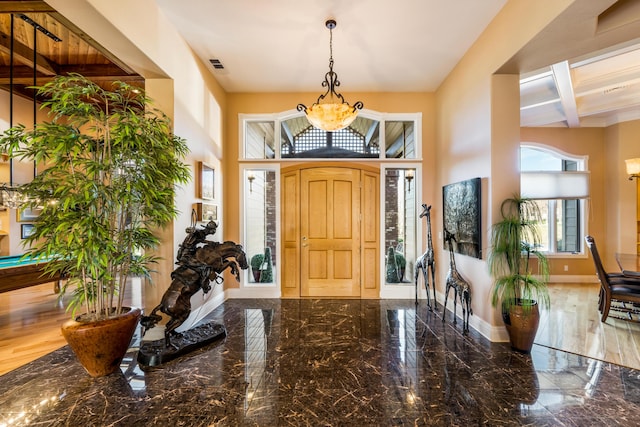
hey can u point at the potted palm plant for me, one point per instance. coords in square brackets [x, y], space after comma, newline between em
[517, 288]
[110, 167]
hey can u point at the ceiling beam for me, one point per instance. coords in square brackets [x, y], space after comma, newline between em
[18, 90]
[24, 54]
[24, 6]
[91, 42]
[562, 77]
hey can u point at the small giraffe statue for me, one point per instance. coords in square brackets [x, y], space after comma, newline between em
[427, 261]
[460, 286]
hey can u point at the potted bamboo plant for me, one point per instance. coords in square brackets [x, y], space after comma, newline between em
[110, 166]
[517, 289]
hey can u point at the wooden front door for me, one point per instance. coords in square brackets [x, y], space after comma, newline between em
[330, 232]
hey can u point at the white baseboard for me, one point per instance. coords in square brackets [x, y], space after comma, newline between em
[402, 292]
[253, 292]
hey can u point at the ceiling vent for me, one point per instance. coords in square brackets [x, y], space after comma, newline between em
[216, 64]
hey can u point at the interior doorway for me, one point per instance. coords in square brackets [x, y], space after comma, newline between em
[330, 231]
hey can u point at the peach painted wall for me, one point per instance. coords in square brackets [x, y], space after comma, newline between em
[621, 197]
[478, 133]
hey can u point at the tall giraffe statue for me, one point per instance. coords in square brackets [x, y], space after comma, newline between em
[461, 288]
[427, 261]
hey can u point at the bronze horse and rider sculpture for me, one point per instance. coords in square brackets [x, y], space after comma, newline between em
[200, 262]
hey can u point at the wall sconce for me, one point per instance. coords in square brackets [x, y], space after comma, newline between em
[409, 177]
[251, 177]
[633, 168]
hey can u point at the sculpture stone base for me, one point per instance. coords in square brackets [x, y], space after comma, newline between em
[154, 353]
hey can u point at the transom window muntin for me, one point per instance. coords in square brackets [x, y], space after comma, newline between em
[399, 134]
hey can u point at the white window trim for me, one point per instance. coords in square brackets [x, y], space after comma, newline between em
[277, 118]
[273, 289]
[584, 166]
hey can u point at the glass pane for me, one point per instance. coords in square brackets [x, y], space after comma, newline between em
[259, 140]
[260, 220]
[568, 225]
[532, 159]
[543, 227]
[299, 139]
[400, 226]
[399, 140]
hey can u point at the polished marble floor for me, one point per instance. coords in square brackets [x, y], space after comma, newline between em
[330, 363]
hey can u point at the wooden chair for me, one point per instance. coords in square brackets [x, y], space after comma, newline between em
[618, 293]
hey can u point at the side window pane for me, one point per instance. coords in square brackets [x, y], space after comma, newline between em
[258, 140]
[400, 140]
[568, 226]
[400, 226]
[260, 220]
[543, 228]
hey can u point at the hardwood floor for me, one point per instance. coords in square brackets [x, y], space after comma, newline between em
[30, 322]
[573, 324]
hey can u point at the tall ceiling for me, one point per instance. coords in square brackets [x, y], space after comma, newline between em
[407, 46]
[378, 45]
[411, 45]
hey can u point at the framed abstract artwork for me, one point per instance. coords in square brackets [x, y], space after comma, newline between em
[206, 181]
[461, 203]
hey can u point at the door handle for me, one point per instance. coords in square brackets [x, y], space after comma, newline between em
[304, 244]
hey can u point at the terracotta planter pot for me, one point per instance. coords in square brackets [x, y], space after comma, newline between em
[100, 346]
[522, 324]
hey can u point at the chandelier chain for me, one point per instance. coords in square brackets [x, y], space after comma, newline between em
[330, 48]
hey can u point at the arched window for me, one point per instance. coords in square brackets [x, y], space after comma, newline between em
[563, 230]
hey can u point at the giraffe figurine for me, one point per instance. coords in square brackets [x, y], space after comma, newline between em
[460, 286]
[427, 261]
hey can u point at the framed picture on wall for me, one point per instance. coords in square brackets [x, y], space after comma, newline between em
[25, 230]
[27, 215]
[205, 181]
[461, 203]
[206, 212]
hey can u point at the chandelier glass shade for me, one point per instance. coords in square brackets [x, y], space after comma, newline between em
[331, 112]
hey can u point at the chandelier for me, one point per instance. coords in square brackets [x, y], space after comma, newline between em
[11, 197]
[331, 112]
